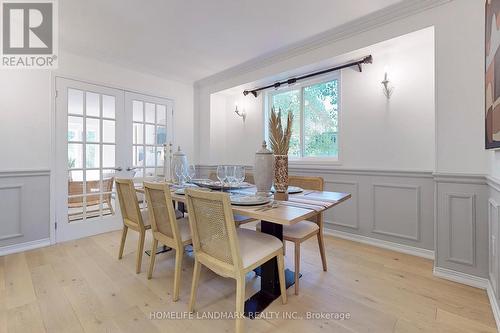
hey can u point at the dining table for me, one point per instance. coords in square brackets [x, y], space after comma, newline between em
[299, 207]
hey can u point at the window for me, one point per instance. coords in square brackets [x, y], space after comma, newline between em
[315, 108]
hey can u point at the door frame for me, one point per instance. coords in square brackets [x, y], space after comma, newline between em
[53, 137]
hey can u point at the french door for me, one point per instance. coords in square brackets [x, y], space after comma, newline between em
[103, 133]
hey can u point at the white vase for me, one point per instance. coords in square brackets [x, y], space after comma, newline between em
[263, 170]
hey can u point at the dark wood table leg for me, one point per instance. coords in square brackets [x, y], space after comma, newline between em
[269, 278]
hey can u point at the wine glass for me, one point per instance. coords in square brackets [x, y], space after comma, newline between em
[221, 175]
[230, 169]
[190, 173]
[239, 174]
[180, 172]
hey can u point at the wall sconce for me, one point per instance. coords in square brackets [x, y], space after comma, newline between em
[240, 113]
[388, 90]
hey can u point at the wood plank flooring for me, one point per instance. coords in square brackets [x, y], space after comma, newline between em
[80, 286]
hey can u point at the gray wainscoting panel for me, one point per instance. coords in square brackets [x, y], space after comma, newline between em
[462, 224]
[10, 206]
[494, 234]
[461, 212]
[25, 206]
[347, 214]
[493, 222]
[400, 220]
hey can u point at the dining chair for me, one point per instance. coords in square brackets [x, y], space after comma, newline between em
[166, 228]
[133, 217]
[302, 231]
[226, 250]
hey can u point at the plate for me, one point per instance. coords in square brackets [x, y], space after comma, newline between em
[216, 185]
[292, 190]
[248, 200]
[182, 191]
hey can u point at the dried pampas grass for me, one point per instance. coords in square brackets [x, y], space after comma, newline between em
[279, 138]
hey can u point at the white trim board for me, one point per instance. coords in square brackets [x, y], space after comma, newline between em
[21, 247]
[459, 277]
[415, 251]
[494, 304]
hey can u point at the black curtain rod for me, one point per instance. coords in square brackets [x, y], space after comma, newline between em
[366, 60]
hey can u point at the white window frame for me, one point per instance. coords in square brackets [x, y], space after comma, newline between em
[308, 160]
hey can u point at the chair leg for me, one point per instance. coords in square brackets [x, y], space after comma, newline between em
[321, 244]
[140, 250]
[153, 257]
[240, 303]
[122, 243]
[284, 247]
[297, 267]
[194, 284]
[177, 274]
[281, 272]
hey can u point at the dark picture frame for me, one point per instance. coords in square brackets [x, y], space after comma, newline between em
[492, 74]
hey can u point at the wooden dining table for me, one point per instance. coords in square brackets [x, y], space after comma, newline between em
[298, 207]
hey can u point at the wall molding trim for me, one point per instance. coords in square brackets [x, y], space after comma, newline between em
[16, 248]
[342, 171]
[406, 249]
[354, 195]
[459, 178]
[493, 182]
[24, 173]
[472, 200]
[417, 208]
[459, 277]
[365, 23]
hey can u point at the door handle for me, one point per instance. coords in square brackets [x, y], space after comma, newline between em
[130, 169]
[119, 169]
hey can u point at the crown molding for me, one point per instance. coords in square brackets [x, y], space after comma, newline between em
[371, 21]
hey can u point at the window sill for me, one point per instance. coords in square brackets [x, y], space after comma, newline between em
[314, 161]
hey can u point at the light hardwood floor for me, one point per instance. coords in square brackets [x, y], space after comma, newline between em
[80, 286]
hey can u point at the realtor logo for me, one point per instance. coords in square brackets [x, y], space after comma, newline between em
[28, 34]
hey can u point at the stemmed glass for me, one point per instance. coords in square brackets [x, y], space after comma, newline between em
[221, 175]
[239, 174]
[230, 174]
[180, 173]
[190, 173]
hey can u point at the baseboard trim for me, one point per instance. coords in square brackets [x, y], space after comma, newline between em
[463, 278]
[16, 248]
[415, 251]
[494, 304]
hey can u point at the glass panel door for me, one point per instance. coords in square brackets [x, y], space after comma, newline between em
[150, 134]
[90, 123]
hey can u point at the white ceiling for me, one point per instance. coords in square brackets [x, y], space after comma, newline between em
[191, 39]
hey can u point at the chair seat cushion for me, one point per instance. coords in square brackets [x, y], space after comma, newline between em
[298, 230]
[255, 245]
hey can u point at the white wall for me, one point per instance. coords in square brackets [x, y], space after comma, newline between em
[376, 133]
[25, 119]
[25, 106]
[459, 45]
